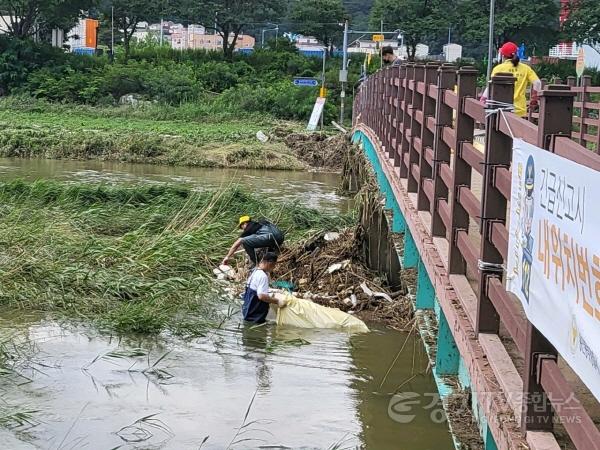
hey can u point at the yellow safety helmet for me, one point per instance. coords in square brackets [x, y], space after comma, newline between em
[243, 220]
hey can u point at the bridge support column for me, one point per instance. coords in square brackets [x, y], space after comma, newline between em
[425, 290]
[411, 254]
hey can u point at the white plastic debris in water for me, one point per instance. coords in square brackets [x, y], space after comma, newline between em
[373, 294]
[383, 295]
[331, 236]
[224, 272]
[262, 137]
[338, 266]
[366, 289]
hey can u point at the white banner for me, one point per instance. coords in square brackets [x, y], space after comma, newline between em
[313, 123]
[554, 254]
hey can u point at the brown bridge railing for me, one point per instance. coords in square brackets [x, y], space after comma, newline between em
[425, 116]
[586, 117]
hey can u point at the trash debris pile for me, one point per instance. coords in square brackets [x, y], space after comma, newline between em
[319, 151]
[327, 270]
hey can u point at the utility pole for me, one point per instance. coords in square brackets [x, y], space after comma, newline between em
[323, 81]
[112, 33]
[491, 40]
[344, 72]
[162, 24]
[380, 46]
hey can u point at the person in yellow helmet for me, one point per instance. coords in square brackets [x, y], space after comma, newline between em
[256, 236]
[524, 76]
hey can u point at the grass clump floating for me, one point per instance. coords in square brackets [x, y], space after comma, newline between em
[132, 259]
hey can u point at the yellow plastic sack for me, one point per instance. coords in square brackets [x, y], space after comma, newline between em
[306, 314]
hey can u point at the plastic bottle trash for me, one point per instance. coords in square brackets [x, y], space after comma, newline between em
[303, 313]
[262, 137]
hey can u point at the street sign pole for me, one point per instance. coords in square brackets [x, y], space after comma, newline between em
[580, 66]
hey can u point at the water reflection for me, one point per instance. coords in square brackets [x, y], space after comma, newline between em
[302, 388]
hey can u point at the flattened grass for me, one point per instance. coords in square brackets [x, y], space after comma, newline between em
[154, 134]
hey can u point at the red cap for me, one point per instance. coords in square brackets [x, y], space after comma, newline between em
[509, 49]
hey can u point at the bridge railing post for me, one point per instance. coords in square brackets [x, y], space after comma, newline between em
[498, 153]
[393, 72]
[385, 109]
[415, 128]
[428, 108]
[390, 107]
[586, 82]
[441, 150]
[556, 118]
[406, 119]
[461, 175]
[399, 114]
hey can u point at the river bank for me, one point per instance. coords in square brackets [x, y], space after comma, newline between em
[157, 134]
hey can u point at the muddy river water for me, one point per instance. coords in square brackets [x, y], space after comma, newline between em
[238, 387]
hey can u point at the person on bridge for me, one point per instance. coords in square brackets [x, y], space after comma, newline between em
[524, 76]
[256, 295]
[256, 236]
[388, 56]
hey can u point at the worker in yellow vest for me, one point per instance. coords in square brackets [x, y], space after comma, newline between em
[524, 76]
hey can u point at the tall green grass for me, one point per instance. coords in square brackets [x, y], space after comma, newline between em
[134, 259]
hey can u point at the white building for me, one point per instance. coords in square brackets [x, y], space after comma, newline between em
[369, 46]
[3, 27]
[570, 50]
[452, 52]
[308, 44]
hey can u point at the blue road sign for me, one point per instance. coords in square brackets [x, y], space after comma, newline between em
[306, 82]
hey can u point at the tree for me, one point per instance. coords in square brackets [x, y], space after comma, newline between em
[359, 11]
[128, 14]
[532, 23]
[229, 18]
[25, 18]
[319, 18]
[583, 22]
[416, 19]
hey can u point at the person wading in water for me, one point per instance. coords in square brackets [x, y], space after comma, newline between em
[256, 236]
[256, 295]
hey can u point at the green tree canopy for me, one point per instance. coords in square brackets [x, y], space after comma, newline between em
[533, 23]
[129, 13]
[359, 11]
[24, 18]
[319, 18]
[229, 18]
[583, 22]
[416, 19]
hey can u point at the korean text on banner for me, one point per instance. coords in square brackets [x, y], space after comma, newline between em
[554, 254]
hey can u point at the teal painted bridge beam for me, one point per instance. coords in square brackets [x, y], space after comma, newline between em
[425, 290]
[411, 254]
[447, 358]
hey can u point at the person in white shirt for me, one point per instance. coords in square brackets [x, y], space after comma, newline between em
[256, 296]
